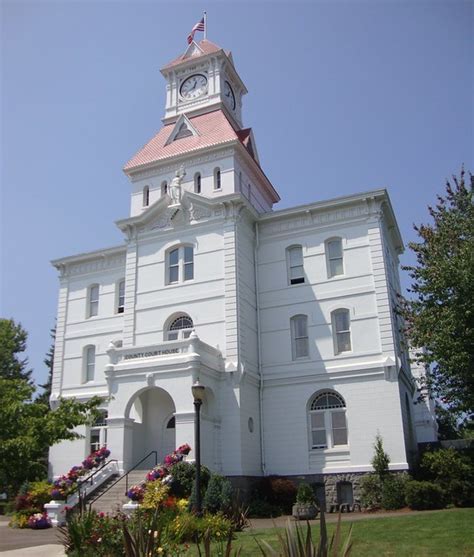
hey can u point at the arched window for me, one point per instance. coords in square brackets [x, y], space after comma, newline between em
[93, 300]
[197, 182]
[217, 179]
[171, 423]
[121, 296]
[341, 330]
[89, 363]
[164, 188]
[179, 264]
[249, 189]
[334, 257]
[179, 328]
[327, 418]
[294, 263]
[299, 336]
[146, 196]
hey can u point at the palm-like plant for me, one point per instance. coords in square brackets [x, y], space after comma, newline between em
[294, 542]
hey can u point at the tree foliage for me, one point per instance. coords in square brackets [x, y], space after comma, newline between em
[29, 427]
[12, 344]
[49, 363]
[440, 315]
[380, 460]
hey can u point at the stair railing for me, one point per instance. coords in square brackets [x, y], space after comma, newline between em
[93, 500]
[89, 479]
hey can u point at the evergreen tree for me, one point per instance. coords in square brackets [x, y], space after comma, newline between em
[12, 344]
[440, 315]
[49, 363]
[380, 460]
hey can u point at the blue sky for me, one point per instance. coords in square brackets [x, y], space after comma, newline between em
[343, 97]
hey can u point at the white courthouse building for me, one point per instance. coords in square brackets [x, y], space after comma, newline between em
[285, 316]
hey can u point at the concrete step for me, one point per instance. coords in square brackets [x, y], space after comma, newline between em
[114, 498]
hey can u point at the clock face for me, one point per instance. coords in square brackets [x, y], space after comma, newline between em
[229, 96]
[194, 86]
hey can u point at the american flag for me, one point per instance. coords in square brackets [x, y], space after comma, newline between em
[198, 27]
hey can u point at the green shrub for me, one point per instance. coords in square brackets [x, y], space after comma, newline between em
[393, 492]
[305, 494]
[184, 477]
[92, 534]
[189, 527]
[40, 493]
[380, 460]
[283, 493]
[371, 492]
[259, 508]
[424, 495]
[452, 471]
[218, 495]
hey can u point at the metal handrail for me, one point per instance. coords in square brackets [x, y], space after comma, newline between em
[80, 483]
[124, 476]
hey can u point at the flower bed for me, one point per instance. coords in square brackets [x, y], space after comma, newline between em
[162, 472]
[68, 483]
[39, 521]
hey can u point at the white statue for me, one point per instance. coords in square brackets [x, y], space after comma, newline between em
[175, 186]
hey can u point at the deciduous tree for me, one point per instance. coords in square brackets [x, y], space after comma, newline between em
[440, 314]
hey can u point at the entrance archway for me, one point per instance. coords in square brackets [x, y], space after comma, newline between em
[152, 411]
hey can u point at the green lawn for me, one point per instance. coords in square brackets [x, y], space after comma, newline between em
[444, 533]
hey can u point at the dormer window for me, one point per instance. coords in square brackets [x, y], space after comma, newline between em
[197, 182]
[217, 179]
[184, 131]
[146, 196]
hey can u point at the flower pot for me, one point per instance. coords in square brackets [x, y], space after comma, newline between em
[304, 511]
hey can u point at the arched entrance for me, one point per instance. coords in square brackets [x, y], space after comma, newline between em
[152, 411]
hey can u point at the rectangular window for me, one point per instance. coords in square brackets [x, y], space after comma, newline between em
[121, 297]
[341, 323]
[339, 429]
[98, 433]
[173, 266]
[318, 431]
[334, 248]
[188, 263]
[90, 363]
[295, 264]
[300, 336]
[94, 300]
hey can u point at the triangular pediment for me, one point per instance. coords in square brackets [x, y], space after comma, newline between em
[183, 128]
[163, 214]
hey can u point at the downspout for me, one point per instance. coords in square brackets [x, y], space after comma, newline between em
[259, 343]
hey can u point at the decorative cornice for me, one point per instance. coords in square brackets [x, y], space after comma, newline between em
[86, 263]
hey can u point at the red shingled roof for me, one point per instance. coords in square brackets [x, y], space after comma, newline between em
[213, 128]
[206, 46]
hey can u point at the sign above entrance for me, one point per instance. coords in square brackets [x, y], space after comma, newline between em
[151, 353]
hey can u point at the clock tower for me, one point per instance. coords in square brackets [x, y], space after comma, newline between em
[204, 78]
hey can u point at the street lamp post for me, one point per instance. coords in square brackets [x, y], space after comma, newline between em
[198, 395]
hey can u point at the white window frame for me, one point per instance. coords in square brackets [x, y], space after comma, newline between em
[93, 294]
[197, 182]
[120, 299]
[99, 427]
[89, 365]
[295, 338]
[336, 333]
[327, 412]
[184, 265]
[146, 196]
[293, 281]
[330, 260]
[217, 179]
[178, 333]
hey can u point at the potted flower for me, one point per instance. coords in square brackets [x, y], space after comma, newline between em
[39, 521]
[305, 507]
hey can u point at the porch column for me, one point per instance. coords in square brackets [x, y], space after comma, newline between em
[119, 441]
[184, 422]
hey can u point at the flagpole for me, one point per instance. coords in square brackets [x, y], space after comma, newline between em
[205, 25]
